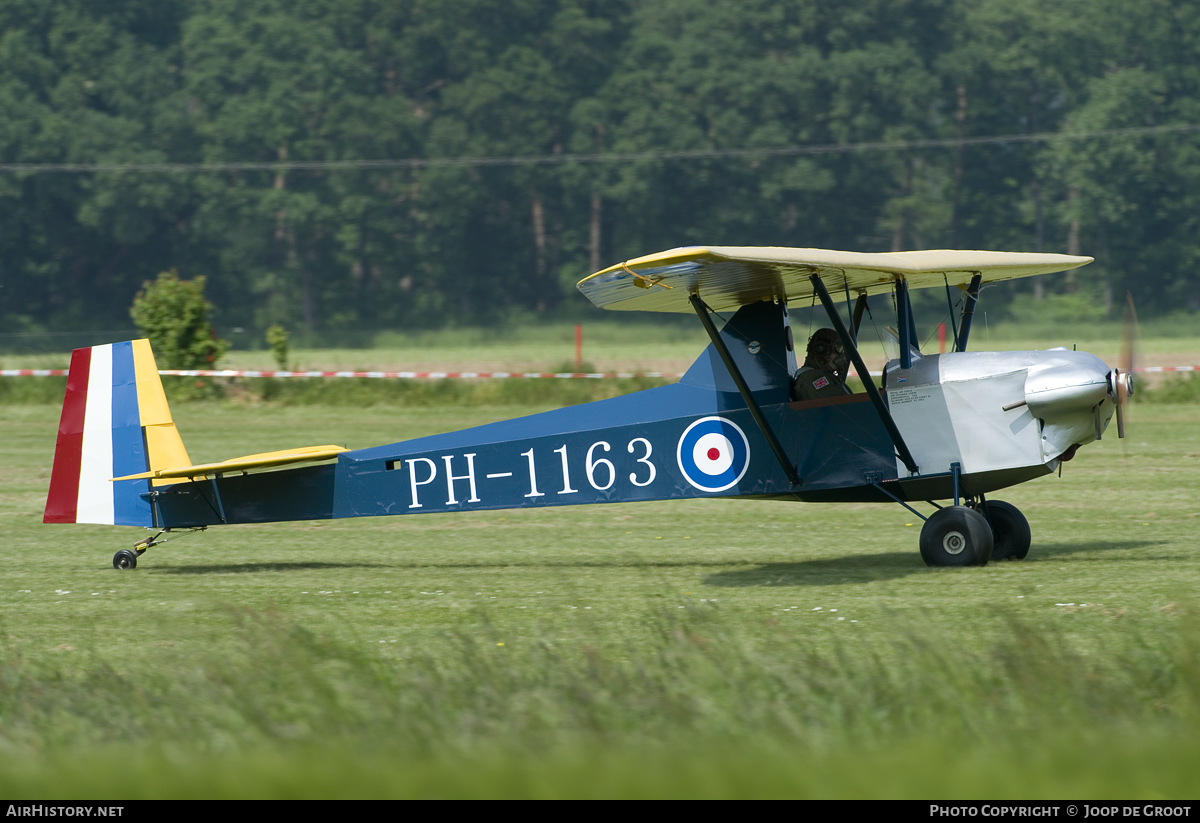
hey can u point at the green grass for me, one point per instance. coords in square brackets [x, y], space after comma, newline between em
[402, 393]
[350, 392]
[658, 649]
[1183, 388]
[610, 345]
[666, 343]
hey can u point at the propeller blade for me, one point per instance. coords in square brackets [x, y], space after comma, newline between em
[1128, 335]
[1121, 395]
[1123, 374]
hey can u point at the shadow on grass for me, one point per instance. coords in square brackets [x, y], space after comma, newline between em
[1045, 551]
[830, 571]
[243, 568]
[869, 568]
[239, 568]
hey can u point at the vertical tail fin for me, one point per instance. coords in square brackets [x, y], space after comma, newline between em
[115, 422]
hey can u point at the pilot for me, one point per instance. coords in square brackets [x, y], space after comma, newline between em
[824, 371]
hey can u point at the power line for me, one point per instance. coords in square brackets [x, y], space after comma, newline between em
[620, 157]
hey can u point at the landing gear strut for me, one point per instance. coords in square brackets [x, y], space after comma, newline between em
[128, 558]
[953, 535]
[969, 535]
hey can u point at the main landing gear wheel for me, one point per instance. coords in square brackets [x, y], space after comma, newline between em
[956, 536]
[1010, 530]
[125, 559]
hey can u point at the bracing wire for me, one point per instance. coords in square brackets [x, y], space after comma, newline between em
[878, 333]
[950, 316]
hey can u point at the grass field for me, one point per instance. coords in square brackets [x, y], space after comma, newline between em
[696, 648]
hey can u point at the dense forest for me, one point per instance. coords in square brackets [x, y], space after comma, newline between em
[594, 90]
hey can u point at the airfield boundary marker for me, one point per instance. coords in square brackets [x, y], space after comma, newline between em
[438, 375]
[420, 375]
[403, 375]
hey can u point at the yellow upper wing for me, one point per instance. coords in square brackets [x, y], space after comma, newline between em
[731, 276]
[250, 461]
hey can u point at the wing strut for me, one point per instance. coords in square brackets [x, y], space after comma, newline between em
[860, 306]
[964, 325]
[744, 390]
[868, 383]
[908, 327]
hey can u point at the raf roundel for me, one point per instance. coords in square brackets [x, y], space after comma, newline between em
[713, 454]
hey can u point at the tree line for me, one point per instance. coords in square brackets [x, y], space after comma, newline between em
[269, 81]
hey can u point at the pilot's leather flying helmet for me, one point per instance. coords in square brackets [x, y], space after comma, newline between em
[825, 342]
[825, 350]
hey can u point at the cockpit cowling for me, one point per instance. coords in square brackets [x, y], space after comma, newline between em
[1057, 389]
[1005, 412]
[1073, 395]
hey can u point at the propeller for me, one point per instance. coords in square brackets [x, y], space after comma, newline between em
[1120, 379]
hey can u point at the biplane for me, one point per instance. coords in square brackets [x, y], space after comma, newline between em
[952, 427]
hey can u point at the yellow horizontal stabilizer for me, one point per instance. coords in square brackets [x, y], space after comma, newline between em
[250, 461]
[730, 276]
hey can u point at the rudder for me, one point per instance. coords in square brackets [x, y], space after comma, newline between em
[115, 422]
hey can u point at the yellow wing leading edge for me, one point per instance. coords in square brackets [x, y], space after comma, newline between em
[727, 277]
[251, 461]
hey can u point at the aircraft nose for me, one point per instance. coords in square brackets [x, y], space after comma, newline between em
[1066, 388]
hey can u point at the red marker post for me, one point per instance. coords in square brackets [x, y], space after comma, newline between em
[941, 338]
[578, 346]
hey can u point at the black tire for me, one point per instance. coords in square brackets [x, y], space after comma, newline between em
[1011, 536]
[124, 559]
[956, 536]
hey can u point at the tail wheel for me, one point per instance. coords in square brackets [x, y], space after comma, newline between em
[956, 536]
[1011, 536]
[125, 559]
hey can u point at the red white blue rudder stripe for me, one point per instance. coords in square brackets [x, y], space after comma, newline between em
[99, 438]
